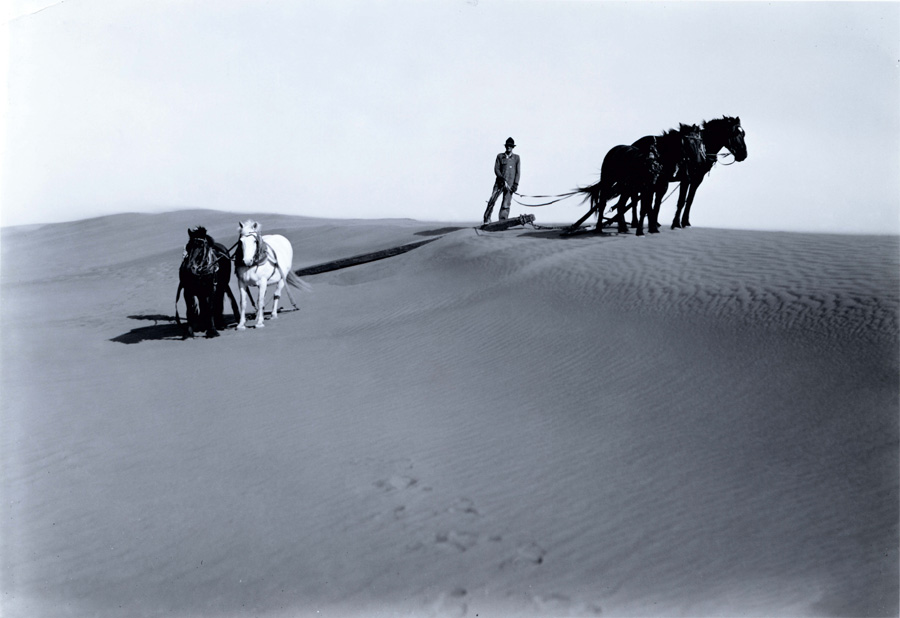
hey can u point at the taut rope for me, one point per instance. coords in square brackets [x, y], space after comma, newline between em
[557, 198]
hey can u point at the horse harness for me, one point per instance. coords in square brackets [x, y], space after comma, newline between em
[209, 263]
[264, 253]
[207, 266]
[262, 250]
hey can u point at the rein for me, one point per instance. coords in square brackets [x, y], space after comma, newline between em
[559, 197]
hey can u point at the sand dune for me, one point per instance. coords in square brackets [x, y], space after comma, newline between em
[697, 423]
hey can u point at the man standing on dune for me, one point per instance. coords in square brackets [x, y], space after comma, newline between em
[506, 169]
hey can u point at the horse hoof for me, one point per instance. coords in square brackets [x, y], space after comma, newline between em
[640, 232]
[654, 230]
[260, 325]
[241, 327]
[686, 224]
[212, 333]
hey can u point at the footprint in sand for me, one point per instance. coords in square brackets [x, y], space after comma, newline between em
[557, 604]
[526, 554]
[450, 605]
[464, 506]
[395, 483]
[455, 540]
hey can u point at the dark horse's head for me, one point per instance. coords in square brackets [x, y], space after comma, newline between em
[693, 151]
[199, 253]
[727, 132]
[734, 140]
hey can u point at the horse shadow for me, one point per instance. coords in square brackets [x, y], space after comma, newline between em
[164, 328]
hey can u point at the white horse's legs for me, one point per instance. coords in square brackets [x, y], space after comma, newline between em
[242, 321]
[261, 303]
[278, 287]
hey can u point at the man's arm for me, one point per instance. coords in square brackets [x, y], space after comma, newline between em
[515, 184]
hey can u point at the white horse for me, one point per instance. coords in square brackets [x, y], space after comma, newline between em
[259, 261]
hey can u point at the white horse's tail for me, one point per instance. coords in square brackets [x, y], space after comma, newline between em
[297, 282]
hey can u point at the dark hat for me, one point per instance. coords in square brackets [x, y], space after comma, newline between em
[510, 142]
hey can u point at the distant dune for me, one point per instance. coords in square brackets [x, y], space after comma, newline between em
[702, 422]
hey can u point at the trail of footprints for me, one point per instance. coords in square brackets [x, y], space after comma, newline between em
[397, 497]
[450, 527]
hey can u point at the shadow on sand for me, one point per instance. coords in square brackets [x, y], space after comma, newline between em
[439, 232]
[164, 328]
[562, 233]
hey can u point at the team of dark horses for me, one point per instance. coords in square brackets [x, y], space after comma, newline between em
[641, 172]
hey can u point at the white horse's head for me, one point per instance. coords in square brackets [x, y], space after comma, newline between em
[249, 240]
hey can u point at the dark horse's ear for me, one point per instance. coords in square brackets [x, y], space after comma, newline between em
[738, 118]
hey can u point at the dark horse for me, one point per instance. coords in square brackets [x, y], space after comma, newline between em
[626, 172]
[204, 275]
[680, 153]
[724, 132]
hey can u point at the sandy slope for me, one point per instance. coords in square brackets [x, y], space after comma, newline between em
[702, 422]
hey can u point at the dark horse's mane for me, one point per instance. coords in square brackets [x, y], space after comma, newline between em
[717, 122]
[200, 232]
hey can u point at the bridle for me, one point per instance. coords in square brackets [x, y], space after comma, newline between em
[737, 132]
[208, 264]
[261, 254]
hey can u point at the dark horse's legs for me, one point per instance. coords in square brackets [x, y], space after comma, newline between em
[621, 207]
[203, 314]
[208, 313]
[659, 192]
[192, 314]
[646, 197]
[686, 216]
[217, 309]
[682, 197]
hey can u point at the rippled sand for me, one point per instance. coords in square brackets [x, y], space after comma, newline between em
[697, 423]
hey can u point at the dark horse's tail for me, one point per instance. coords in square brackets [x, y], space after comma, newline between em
[598, 194]
[177, 297]
[234, 305]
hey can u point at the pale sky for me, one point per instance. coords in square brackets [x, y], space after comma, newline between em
[397, 108]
